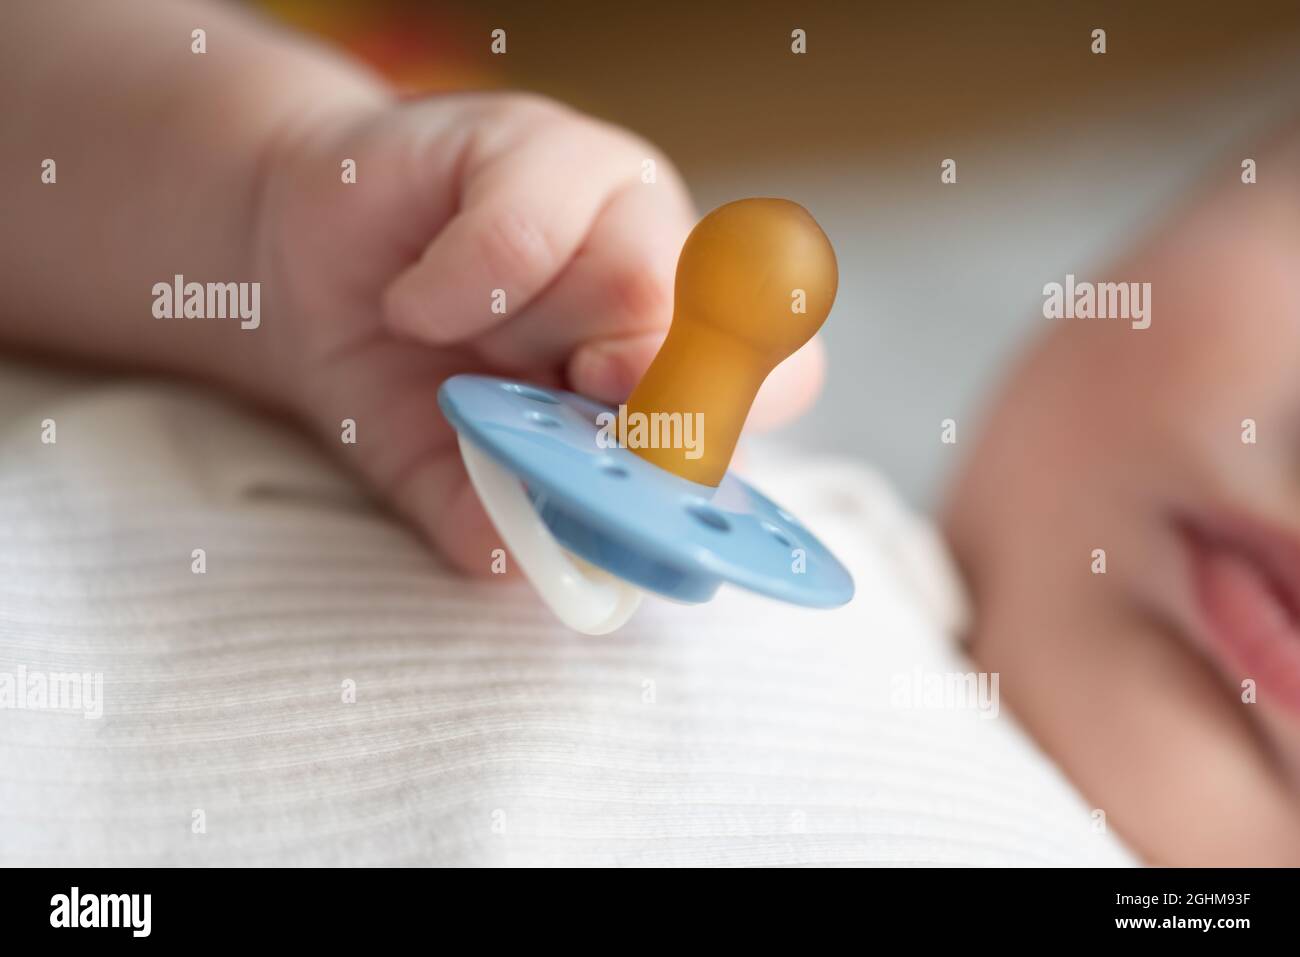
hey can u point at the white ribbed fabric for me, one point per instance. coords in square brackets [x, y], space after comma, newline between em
[738, 733]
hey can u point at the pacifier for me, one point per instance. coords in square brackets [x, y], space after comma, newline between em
[599, 506]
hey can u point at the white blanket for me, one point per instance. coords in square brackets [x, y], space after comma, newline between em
[741, 732]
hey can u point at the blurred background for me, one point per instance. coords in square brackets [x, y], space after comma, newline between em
[1064, 157]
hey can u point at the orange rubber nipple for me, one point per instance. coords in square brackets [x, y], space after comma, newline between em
[755, 281]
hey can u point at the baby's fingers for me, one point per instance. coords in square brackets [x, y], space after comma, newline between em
[524, 215]
[437, 497]
[619, 283]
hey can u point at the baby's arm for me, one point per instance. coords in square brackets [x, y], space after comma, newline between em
[157, 152]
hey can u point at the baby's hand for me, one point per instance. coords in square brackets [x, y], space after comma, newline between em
[484, 233]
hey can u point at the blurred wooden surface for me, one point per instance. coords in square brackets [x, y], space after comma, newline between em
[711, 81]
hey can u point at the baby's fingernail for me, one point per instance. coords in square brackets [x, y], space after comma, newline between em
[596, 372]
[608, 371]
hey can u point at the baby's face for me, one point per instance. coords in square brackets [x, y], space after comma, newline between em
[1168, 687]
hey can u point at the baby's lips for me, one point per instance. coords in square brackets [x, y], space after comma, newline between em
[1249, 621]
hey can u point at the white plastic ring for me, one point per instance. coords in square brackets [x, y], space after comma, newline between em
[586, 598]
